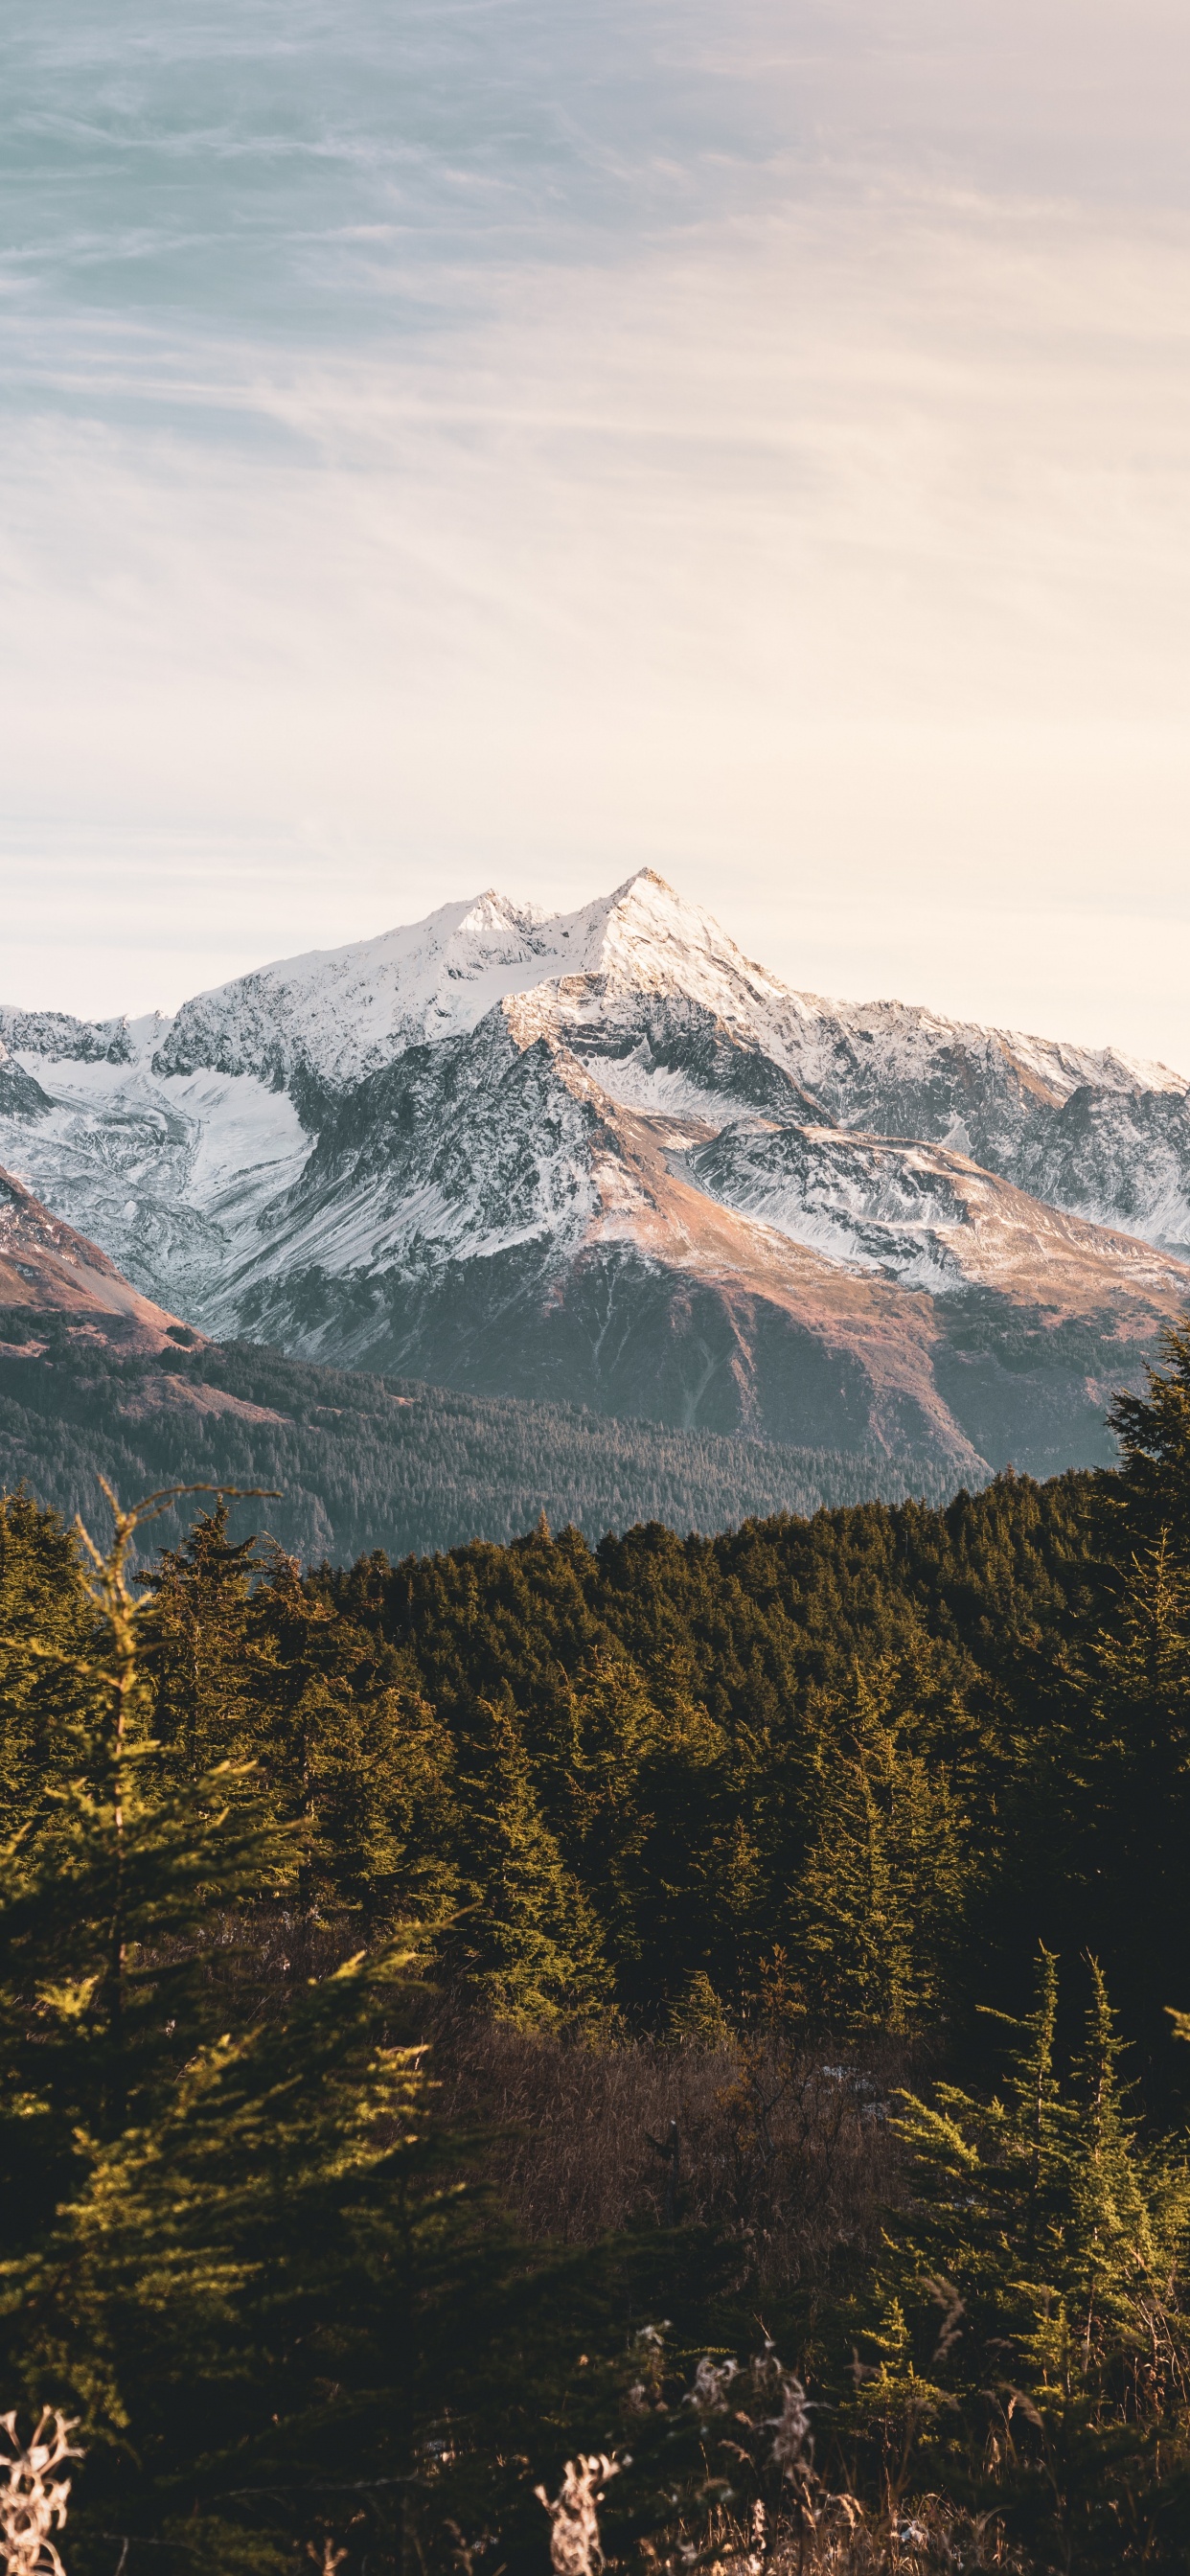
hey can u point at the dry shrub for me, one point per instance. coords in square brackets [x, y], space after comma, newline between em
[784, 2147]
[773, 2512]
[841, 2537]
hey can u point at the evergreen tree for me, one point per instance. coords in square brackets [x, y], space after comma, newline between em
[254, 2299]
[528, 1947]
[243, 2258]
[386, 1830]
[114, 1893]
[1032, 2294]
[1126, 1789]
[1153, 1430]
[45, 1621]
[358, 1763]
[879, 1905]
[1119, 2234]
[194, 1643]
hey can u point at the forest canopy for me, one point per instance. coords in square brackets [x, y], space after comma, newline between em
[853, 1846]
[358, 1461]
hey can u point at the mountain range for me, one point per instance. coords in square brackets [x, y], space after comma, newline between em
[602, 1158]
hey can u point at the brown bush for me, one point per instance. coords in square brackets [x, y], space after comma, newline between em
[784, 2147]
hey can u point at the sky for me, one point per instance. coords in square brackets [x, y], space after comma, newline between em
[452, 443]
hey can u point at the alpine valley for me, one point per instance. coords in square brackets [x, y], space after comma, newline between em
[601, 1160]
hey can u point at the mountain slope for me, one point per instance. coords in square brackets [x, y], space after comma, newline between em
[484, 1215]
[357, 1462]
[603, 1156]
[46, 1269]
[654, 997]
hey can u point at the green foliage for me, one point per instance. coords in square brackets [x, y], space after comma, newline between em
[528, 1948]
[110, 1892]
[883, 1890]
[688, 1712]
[1122, 1711]
[1032, 2336]
[1153, 1492]
[44, 1624]
[195, 1652]
[836, 1777]
[363, 1462]
[253, 2292]
[247, 1664]
[854, 1736]
[237, 2243]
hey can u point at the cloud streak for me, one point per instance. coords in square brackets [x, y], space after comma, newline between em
[536, 442]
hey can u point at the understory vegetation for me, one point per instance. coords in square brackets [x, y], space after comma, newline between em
[669, 2047]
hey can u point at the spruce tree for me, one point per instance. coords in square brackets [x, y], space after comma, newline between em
[194, 1643]
[527, 1947]
[877, 1909]
[1033, 2283]
[356, 1761]
[262, 2300]
[115, 1890]
[234, 2243]
[45, 1621]
[1153, 1430]
[1127, 1783]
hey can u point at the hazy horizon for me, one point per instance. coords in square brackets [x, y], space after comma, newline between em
[516, 444]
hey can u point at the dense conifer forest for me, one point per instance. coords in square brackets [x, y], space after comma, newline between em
[360, 1462]
[705, 2008]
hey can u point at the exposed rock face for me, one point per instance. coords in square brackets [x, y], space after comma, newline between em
[46, 1268]
[1123, 1158]
[604, 1156]
[20, 1096]
[919, 1213]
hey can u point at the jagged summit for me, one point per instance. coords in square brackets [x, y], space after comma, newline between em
[603, 1153]
[333, 1016]
[337, 1015]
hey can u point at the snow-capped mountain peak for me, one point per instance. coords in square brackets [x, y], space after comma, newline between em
[605, 1134]
[644, 938]
[336, 1015]
[318, 1023]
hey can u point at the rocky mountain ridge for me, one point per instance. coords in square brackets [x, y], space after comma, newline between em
[48, 1269]
[601, 1155]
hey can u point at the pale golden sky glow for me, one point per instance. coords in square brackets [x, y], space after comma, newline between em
[752, 442]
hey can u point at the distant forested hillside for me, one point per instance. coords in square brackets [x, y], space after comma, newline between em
[364, 1462]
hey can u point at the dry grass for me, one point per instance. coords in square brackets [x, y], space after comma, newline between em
[840, 2538]
[783, 2147]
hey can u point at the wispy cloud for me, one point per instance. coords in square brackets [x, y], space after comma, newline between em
[523, 441]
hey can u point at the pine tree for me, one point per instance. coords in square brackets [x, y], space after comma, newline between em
[698, 2015]
[114, 1892]
[605, 1729]
[43, 1612]
[254, 2300]
[194, 1643]
[878, 1905]
[1154, 1434]
[359, 1765]
[1120, 2237]
[1038, 2267]
[528, 1947]
[1127, 1782]
[241, 2252]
